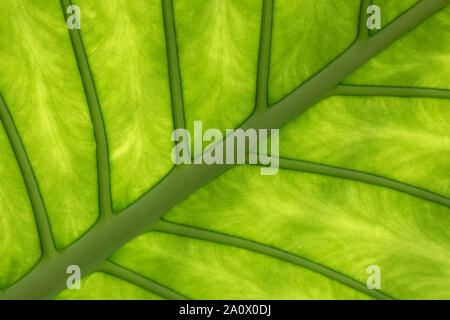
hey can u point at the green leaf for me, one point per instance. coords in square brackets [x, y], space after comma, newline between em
[307, 35]
[420, 60]
[392, 9]
[87, 175]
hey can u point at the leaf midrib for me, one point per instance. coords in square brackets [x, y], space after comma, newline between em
[48, 277]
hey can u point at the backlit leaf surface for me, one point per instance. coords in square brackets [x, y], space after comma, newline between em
[86, 167]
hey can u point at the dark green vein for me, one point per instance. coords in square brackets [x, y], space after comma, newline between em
[264, 56]
[363, 177]
[140, 281]
[173, 62]
[345, 90]
[349, 174]
[96, 117]
[176, 89]
[319, 86]
[363, 32]
[40, 213]
[211, 236]
[106, 237]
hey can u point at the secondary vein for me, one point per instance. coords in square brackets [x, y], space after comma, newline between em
[264, 56]
[212, 236]
[347, 90]
[349, 174]
[138, 280]
[363, 32]
[40, 213]
[96, 117]
[173, 64]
